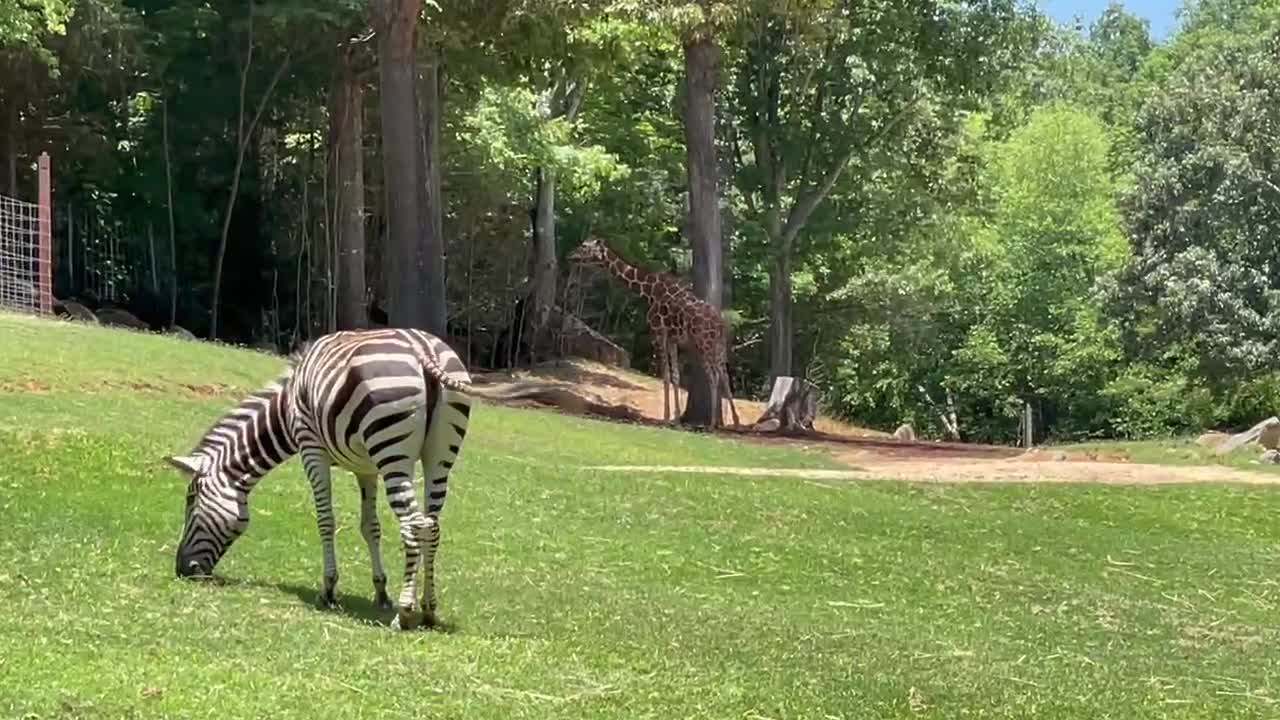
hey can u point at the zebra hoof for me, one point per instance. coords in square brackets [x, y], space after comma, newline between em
[404, 620]
[381, 600]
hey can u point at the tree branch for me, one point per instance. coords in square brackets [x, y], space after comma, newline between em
[808, 202]
[266, 97]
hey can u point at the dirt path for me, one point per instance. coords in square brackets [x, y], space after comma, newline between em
[874, 455]
[984, 471]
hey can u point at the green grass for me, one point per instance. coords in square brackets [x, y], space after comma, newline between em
[1177, 451]
[572, 594]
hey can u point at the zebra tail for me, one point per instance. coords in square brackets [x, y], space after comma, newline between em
[439, 363]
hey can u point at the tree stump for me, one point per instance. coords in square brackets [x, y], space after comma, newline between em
[793, 406]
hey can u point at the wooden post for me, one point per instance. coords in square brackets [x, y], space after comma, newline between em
[1028, 434]
[46, 236]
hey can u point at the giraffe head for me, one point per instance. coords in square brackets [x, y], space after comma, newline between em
[591, 252]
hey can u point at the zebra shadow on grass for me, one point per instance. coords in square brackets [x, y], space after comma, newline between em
[352, 604]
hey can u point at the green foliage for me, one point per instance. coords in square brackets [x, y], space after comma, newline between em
[27, 24]
[507, 136]
[1205, 212]
[1148, 401]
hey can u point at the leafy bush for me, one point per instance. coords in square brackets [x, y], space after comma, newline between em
[1148, 402]
[1249, 401]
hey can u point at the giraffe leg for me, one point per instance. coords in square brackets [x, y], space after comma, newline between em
[660, 356]
[713, 377]
[675, 377]
[316, 466]
[728, 393]
[372, 533]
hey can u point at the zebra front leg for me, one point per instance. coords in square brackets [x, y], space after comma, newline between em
[445, 433]
[398, 478]
[372, 533]
[316, 465]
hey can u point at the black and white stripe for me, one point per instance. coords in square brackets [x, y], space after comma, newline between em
[373, 402]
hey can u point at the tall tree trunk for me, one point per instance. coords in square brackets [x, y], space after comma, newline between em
[781, 333]
[11, 152]
[408, 298]
[544, 256]
[432, 207]
[173, 243]
[700, 58]
[346, 133]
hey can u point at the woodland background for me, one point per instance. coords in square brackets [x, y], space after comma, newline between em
[935, 210]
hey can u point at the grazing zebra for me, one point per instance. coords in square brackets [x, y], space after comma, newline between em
[373, 402]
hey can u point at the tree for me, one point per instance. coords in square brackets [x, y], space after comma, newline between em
[414, 245]
[346, 123]
[701, 57]
[823, 91]
[1204, 210]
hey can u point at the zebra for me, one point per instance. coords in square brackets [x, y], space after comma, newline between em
[373, 402]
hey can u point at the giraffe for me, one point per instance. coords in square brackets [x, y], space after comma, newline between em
[676, 317]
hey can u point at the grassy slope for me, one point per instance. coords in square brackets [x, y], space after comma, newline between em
[576, 594]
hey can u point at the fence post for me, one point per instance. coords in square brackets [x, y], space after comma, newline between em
[46, 236]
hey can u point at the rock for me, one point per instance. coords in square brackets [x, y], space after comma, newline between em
[181, 332]
[121, 318]
[905, 433]
[1265, 433]
[1212, 439]
[770, 425]
[73, 310]
[1271, 457]
[1270, 437]
[577, 339]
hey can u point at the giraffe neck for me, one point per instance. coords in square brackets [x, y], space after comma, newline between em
[642, 281]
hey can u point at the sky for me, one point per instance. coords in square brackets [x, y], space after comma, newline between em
[1161, 14]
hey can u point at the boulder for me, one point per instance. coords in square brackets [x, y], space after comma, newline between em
[905, 433]
[181, 332]
[73, 310]
[121, 318]
[1212, 439]
[1271, 457]
[578, 339]
[1265, 433]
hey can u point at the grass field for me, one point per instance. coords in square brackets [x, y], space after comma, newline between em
[569, 593]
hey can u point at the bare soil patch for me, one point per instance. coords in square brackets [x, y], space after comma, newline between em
[872, 454]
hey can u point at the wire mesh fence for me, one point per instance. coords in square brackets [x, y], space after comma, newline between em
[25, 262]
[19, 254]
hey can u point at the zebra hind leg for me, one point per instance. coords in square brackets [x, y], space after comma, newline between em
[372, 533]
[440, 450]
[316, 465]
[397, 475]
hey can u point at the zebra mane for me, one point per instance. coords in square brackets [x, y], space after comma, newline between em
[296, 356]
[209, 440]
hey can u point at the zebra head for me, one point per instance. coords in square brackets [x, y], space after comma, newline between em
[216, 514]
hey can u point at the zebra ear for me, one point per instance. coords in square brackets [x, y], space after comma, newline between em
[186, 463]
